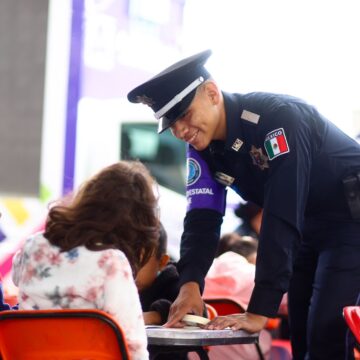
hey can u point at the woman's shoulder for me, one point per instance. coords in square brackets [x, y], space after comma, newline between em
[110, 254]
[34, 241]
[109, 257]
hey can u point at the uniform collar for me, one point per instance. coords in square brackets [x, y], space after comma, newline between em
[234, 131]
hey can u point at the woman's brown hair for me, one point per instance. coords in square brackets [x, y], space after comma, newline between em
[115, 209]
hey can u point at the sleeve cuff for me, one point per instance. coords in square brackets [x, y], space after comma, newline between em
[192, 274]
[265, 302]
[162, 307]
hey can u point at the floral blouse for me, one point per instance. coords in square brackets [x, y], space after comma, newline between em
[81, 279]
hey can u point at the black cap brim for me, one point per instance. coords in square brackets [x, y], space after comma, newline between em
[175, 113]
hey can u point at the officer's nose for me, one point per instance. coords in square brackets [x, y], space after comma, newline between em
[179, 129]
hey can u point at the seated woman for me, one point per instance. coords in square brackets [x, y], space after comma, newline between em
[91, 249]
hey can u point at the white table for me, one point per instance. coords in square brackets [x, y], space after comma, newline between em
[163, 340]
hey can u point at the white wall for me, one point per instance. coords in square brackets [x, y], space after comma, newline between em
[306, 48]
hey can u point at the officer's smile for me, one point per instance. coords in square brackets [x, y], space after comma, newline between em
[191, 139]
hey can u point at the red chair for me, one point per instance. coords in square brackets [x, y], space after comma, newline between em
[280, 349]
[226, 307]
[60, 335]
[352, 317]
[211, 311]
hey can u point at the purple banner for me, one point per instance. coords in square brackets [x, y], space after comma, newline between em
[74, 93]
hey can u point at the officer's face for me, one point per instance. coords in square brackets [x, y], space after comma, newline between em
[203, 120]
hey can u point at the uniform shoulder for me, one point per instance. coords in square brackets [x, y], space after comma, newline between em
[35, 240]
[269, 102]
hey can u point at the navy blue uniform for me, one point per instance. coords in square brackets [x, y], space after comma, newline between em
[281, 154]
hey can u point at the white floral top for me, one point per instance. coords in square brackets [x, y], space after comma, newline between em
[81, 279]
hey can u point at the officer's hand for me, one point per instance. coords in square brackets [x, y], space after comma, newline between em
[246, 321]
[188, 301]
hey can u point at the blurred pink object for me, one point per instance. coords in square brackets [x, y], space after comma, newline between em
[230, 276]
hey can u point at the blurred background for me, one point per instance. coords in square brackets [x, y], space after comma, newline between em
[67, 65]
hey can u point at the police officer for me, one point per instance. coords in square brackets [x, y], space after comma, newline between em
[280, 153]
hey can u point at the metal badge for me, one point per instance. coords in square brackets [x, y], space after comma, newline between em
[224, 179]
[237, 144]
[145, 100]
[250, 116]
[259, 158]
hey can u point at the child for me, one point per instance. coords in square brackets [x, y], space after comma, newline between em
[157, 283]
[92, 247]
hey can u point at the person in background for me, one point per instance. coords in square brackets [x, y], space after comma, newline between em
[3, 304]
[232, 272]
[282, 154]
[231, 276]
[245, 246]
[250, 215]
[91, 249]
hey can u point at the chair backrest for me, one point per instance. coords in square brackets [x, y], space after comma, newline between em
[60, 334]
[211, 311]
[352, 318]
[225, 306]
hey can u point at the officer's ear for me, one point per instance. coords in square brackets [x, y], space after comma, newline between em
[212, 92]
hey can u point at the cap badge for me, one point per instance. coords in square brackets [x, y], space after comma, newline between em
[237, 144]
[259, 158]
[224, 179]
[145, 100]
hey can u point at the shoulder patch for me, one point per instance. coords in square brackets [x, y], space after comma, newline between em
[250, 116]
[194, 171]
[276, 144]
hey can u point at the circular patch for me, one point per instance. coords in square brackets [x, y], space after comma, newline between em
[194, 171]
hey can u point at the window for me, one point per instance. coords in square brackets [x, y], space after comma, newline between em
[164, 155]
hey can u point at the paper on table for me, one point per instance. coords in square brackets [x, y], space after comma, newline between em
[194, 320]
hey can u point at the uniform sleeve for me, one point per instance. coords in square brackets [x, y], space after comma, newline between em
[206, 206]
[198, 245]
[121, 300]
[288, 146]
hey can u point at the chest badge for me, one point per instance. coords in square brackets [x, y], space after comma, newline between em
[224, 179]
[237, 144]
[259, 158]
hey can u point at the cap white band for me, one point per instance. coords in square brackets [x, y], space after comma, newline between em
[177, 98]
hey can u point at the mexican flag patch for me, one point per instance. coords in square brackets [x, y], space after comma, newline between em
[276, 143]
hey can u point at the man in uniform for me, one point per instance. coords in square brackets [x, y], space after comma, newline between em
[281, 154]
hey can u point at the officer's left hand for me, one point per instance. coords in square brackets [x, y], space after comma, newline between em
[245, 321]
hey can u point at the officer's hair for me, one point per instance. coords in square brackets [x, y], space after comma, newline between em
[202, 86]
[115, 209]
[242, 245]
